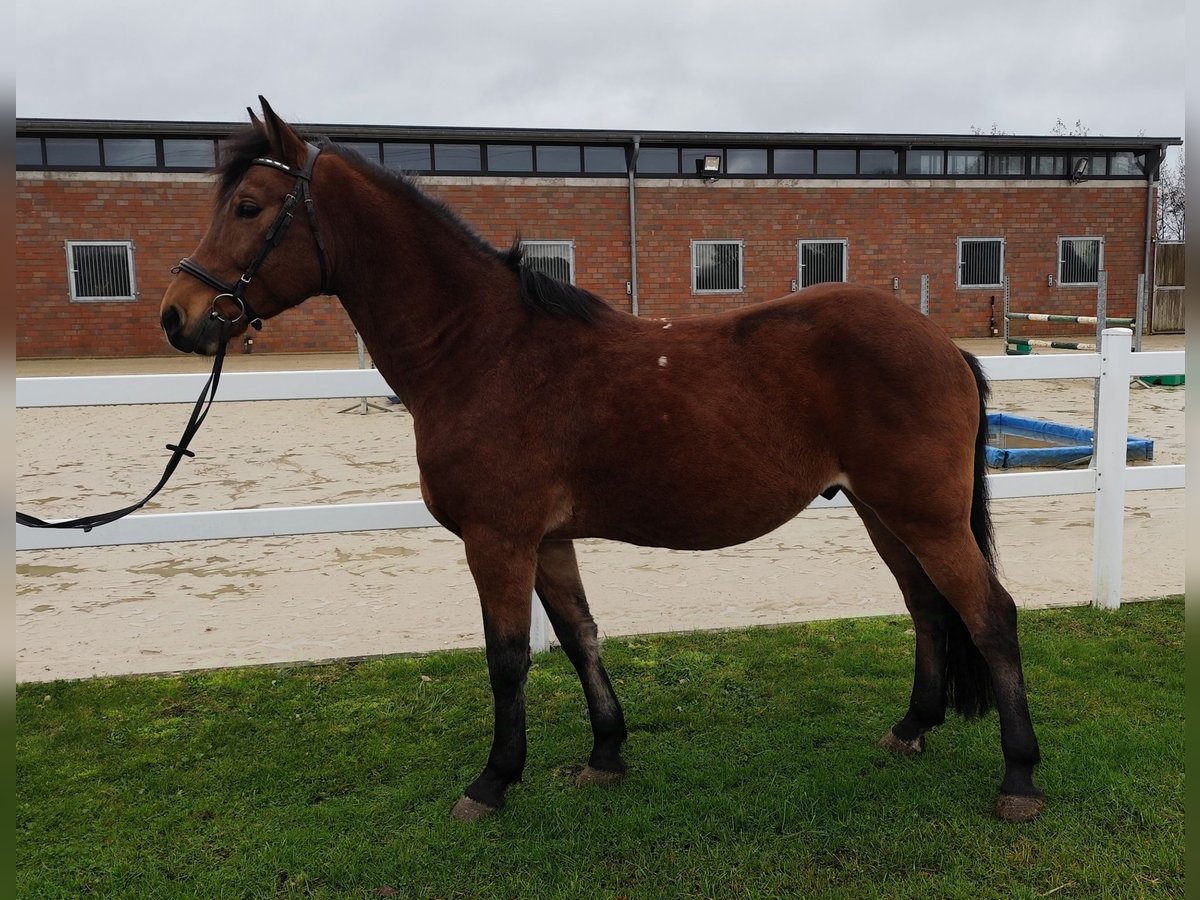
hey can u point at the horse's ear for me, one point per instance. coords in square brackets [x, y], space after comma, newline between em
[286, 145]
[256, 121]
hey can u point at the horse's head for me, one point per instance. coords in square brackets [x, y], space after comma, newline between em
[262, 253]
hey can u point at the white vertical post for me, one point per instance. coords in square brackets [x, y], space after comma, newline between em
[924, 295]
[1101, 324]
[539, 628]
[1139, 315]
[1007, 301]
[1108, 457]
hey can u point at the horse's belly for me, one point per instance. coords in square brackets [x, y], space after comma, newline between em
[701, 518]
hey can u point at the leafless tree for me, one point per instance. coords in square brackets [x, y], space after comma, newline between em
[1076, 130]
[1172, 202]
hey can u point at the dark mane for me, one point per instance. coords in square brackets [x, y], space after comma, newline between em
[540, 294]
[543, 295]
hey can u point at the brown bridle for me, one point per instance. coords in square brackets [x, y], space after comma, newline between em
[236, 291]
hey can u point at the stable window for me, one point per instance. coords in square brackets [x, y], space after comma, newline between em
[878, 162]
[368, 150]
[553, 258]
[408, 157]
[964, 162]
[1080, 260]
[186, 153]
[604, 160]
[925, 162]
[980, 262]
[1004, 162]
[100, 270]
[716, 267]
[510, 157]
[836, 162]
[558, 159]
[83, 152]
[130, 153]
[746, 161]
[1095, 167]
[1125, 163]
[658, 161]
[1048, 164]
[456, 157]
[29, 151]
[822, 261]
[793, 162]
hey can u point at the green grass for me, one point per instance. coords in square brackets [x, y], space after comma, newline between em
[753, 772]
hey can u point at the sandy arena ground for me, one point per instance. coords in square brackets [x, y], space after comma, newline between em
[168, 607]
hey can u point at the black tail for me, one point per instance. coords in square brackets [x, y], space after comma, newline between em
[968, 679]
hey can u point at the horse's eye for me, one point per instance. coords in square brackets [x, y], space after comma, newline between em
[247, 210]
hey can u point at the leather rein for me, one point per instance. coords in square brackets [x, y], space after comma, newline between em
[234, 291]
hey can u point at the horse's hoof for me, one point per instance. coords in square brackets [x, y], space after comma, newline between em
[1019, 808]
[468, 810]
[597, 776]
[905, 748]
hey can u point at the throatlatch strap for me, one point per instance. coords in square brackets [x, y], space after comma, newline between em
[178, 452]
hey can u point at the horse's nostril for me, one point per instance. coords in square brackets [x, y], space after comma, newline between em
[171, 320]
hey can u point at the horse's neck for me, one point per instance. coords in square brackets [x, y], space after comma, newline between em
[421, 292]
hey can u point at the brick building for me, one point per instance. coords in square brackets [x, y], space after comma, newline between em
[663, 224]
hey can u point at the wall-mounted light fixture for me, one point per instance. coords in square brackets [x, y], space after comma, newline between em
[1081, 170]
[708, 166]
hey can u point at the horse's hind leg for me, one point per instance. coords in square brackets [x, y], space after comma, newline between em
[561, 591]
[949, 554]
[929, 610]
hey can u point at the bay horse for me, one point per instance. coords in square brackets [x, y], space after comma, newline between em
[543, 415]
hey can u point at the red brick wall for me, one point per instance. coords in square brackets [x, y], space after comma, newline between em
[892, 231]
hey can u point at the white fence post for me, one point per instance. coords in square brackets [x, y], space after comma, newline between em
[539, 628]
[1108, 457]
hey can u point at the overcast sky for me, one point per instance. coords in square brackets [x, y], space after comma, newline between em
[706, 65]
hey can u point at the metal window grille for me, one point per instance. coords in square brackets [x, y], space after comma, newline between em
[101, 270]
[716, 266]
[822, 261]
[553, 258]
[980, 262]
[1080, 260]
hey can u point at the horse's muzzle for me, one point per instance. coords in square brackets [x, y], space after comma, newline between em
[203, 338]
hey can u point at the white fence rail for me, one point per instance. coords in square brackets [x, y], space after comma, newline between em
[1108, 478]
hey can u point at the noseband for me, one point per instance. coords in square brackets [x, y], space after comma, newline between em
[235, 291]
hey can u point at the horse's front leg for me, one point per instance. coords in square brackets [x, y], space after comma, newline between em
[503, 571]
